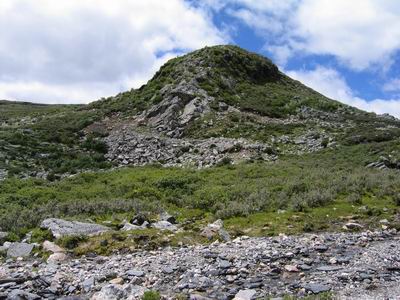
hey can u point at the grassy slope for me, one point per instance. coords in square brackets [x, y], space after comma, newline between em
[35, 137]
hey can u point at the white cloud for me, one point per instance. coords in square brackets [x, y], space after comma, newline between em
[359, 33]
[392, 86]
[77, 51]
[330, 83]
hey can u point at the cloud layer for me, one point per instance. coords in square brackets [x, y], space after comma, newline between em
[330, 83]
[77, 51]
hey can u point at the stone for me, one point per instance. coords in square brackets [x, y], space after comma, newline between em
[22, 295]
[167, 217]
[117, 280]
[110, 292]
[164, 225]
[291, 268]
[139, 220]
[57, 258]
[19, 250]
[317, 288]
[136, 273]
[352, 226]
[329, 268]
[88, 284]
[224, 264]
[60, 228]
[52, 247]
[168, 270]
[128, 226]
[245, 295]
[215, 230]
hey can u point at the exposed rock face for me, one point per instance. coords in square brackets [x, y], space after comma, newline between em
[19, 250]
[129, 147]
[181, 104]
[60, 228]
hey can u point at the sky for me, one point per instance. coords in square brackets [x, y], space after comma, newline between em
[77, 51]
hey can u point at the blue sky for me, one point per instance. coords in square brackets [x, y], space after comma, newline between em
[71, 51]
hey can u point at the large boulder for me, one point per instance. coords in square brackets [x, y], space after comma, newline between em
[216, 230]
[19, 250]
[164, 225]
[60, 228]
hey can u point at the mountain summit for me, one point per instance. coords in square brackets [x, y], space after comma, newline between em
[219, 104]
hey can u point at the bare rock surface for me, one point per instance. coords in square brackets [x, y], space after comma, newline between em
[19, 250]
[60, 228]
[362, 265]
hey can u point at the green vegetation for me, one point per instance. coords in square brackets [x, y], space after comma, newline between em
[151, 295]
[253, 83]
[48, 138]
[330, 182]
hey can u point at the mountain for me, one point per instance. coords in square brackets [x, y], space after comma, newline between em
[219, 146]
[217, 105]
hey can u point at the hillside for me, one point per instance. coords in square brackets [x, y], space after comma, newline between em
[215, 105]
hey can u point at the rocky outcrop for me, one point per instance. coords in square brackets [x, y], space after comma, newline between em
[60, 228]
[126, 147]
[180, 105]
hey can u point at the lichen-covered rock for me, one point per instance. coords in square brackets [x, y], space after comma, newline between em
[60, 228]
[19, 250]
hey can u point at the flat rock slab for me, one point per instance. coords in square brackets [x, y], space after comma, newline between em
[60, 228]
[317, 288]
[245, 295]
[19, 250]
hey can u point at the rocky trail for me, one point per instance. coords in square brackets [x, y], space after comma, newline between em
[362, 265]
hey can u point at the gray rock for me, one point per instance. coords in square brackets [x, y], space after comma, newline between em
[88, 284]
[245, 295]
[110, 292]
[164, 225]
[139, 220]
[317, 288]
[22, 295]
[19, 250]
[136, 273]
[328, 268]
[168, 270]
[224, 264]
[167, 217]
[128, 226]
[198, 297]
[52, 247]
[57, 258]
[216, 230]
[60, 228]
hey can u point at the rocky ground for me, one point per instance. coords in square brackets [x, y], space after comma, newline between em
[362, 265]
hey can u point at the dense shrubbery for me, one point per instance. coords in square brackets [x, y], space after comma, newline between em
[315, 180]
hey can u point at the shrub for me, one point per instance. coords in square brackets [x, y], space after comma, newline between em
[151, 295]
